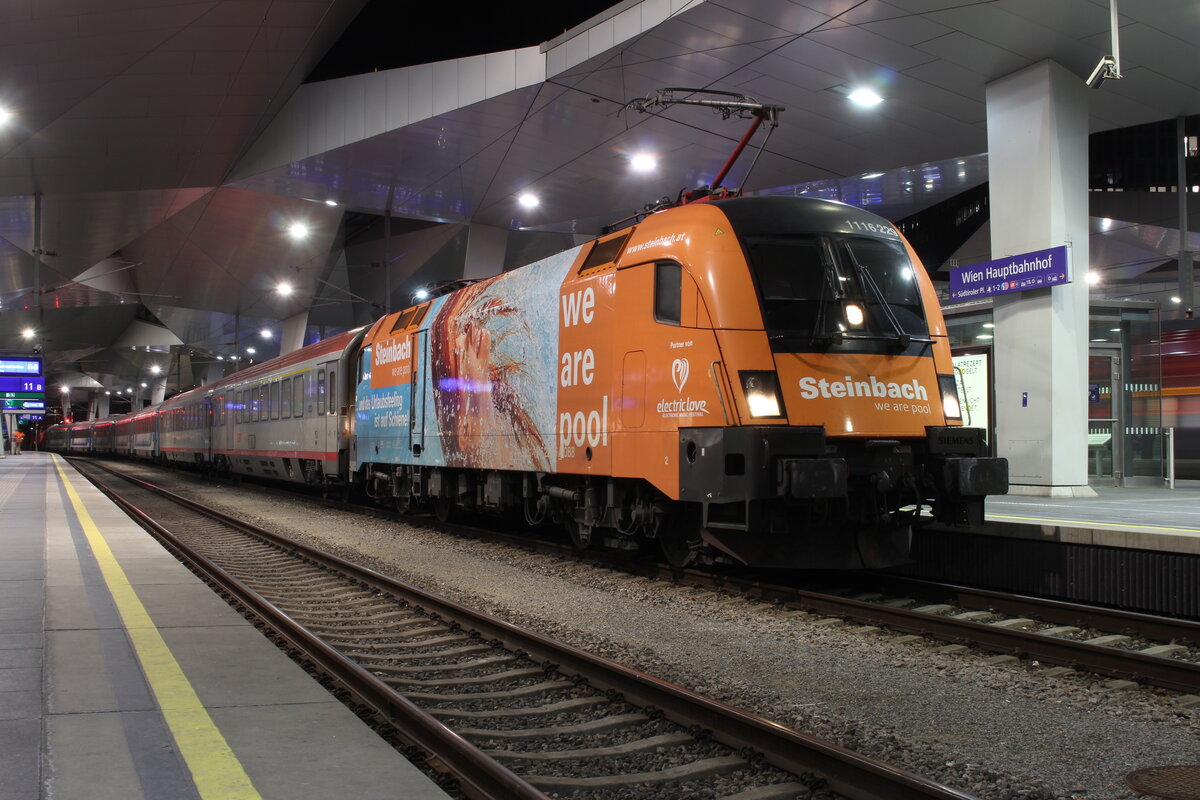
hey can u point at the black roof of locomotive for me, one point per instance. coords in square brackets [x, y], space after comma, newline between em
[762, 216]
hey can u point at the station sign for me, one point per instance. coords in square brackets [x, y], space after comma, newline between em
[29, 417]
[1035, 270]
[11, 404]
[10, 384]
[29, 366]
[22, 395]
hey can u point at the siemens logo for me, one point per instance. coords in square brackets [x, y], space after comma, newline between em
[398, 351]
[812, 388]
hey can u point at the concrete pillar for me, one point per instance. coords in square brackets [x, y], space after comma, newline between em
[1037, 162]
[101, 404]
[214, 372]
[158, 389]
[292, 337]
[485, 251]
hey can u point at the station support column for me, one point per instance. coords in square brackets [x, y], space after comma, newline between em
[294, 328]
[486, 247]
[1037, 121]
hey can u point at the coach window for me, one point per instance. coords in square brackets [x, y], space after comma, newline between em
[264, 410]
[237, 408]
[668, 278]
[298, 396]
[320, 391]
[285, 398]
[333, 403]
[274, 399]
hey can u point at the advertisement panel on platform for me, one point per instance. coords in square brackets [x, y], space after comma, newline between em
[1017, 273]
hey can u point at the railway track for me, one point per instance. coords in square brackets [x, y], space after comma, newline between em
[508, 712]
[1123, 645]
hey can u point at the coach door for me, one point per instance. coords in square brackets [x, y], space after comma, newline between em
[331, 420]
[417, 392]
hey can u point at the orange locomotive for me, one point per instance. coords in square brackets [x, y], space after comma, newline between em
[763, 378]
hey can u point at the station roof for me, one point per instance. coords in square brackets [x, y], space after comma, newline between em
[164, 147]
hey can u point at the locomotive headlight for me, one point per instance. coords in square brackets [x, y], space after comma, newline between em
[762, 394]
[854, 314]
[949, 389]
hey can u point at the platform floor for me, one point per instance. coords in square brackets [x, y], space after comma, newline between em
[123, 676]
[1135, 517]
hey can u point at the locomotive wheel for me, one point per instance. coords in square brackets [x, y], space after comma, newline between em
[681, 541]
[405, 505]
[443, 509]
[580, 538]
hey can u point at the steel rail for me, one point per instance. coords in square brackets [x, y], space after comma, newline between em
[846, 772]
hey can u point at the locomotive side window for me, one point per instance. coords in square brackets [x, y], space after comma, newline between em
[320, 391]
[668, 282]
[403, 320]
[298, 396]
[285, 398]
[274, 399]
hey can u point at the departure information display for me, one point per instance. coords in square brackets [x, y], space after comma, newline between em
[15, 365]
[12, 404]
[22, 384]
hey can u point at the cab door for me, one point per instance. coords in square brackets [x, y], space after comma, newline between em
[417, 392]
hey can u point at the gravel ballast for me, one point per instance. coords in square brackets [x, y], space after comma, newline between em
[997, 731]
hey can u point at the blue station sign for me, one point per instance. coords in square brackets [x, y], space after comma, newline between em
[1034, 270]
[22, 384]
[10, 404]
[16, 365]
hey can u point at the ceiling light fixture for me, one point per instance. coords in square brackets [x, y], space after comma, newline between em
[871, 175]
[5, 115]
[251, 350]
[331, 202]
[298, 231]
[283, 289]
[864, 97]
[28, 333]
[155, 369]
[643, 162]
[528, 200]
[265, 333]
[1093, 277]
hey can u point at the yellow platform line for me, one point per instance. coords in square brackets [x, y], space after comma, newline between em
[1096, 525]
[215, 769]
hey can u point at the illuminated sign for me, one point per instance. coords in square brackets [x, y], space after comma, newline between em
[10, 365]
[1037, 270]
[22, 384]
[12, 404]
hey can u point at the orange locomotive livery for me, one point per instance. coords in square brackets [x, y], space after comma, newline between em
[766, 379]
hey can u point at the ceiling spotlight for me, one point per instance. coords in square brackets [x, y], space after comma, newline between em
[865, 97]
[421, 294]
[1093, 277]
[28, 333]
[155, 369]
[298, 231]
[528, 200]
[143, 384]
[331, 202]
[220, 358]
[251, 350]
[265, 333]
[283, 289]
[643, 162]
[5, 115]
[108, 393]
[871, 175]
[1176, 300]
[64, 389]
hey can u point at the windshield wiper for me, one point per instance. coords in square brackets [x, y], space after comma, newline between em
[902, 338]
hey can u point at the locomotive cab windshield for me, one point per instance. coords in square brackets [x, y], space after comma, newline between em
[823, 290]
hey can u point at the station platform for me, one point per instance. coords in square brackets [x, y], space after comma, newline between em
[123, 676]
[1140, 518]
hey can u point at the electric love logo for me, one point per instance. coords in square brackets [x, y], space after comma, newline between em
[679, 373]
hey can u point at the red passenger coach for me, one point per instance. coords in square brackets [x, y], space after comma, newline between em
[286, 418]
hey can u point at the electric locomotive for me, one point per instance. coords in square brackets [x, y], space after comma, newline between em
[766, 379]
